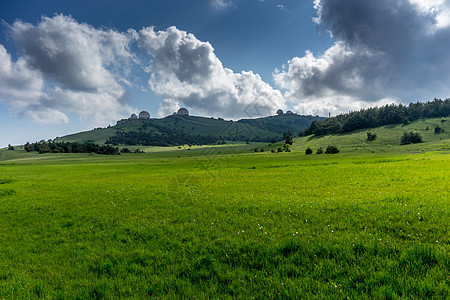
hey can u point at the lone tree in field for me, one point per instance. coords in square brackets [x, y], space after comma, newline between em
[308, 151]
[287, 136]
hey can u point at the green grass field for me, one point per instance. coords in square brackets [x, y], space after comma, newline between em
[367, 223]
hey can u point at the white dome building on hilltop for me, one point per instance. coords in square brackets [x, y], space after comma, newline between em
[144, 115]
[280, 112]
[133, 116]
[183, 112]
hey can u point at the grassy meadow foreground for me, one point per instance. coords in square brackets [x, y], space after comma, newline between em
[263, 225]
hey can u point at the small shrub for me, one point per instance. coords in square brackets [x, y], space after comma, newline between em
[308, 151]
[371, 136]
[411, 137]
[319, 151]
[125, 150]
[332, 150]
[438, 129]
[279, 149]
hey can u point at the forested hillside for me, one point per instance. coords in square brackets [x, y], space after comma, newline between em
[379, 116]
[283, 123]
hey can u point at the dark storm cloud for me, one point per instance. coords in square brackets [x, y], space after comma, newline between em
[382, 25]
[385, 51]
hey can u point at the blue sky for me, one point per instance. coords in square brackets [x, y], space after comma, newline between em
[68, 66]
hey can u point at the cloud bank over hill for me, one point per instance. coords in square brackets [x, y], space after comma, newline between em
[385, 51]
[187, 69]
[65, 66]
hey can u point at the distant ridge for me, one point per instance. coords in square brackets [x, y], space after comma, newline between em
[184, 129]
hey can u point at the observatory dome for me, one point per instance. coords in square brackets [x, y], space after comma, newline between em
[144, 115]
[289, 112]
[279, 112]
[183, 112]
[133, 116]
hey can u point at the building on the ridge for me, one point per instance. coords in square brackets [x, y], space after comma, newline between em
[289, 112]
[133, 116]
[280, 112]
[183, 112]
[145, 115]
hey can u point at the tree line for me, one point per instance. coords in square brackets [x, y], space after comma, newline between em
[379, 116]
[168, 138]
[70, 147]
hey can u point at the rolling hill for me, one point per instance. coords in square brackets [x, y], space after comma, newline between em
[387, 141]
[176, 130]
[349, 144]
[282, 123]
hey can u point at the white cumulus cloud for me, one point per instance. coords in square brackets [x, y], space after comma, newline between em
[168, 107]
[65, 66]
[219, 4]
[187, 71]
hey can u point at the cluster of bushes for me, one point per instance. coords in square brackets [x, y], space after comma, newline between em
[379, 116]
[126, 150]
[288, 141]
[411, 137]
[329, 150]
[70, 147]
[438, 129]
[371, 136]
[285, 148]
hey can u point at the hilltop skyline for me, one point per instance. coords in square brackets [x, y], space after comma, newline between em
[67, 67]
